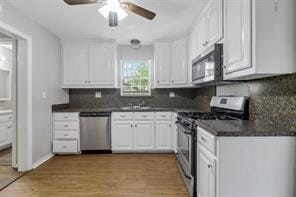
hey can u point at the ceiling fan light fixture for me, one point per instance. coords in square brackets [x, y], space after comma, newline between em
[113, 19]
[105, 10]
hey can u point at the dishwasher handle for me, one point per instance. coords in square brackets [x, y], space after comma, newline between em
[95, 114]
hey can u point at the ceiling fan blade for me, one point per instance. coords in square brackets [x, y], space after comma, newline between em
[79, 2]
[139, 10]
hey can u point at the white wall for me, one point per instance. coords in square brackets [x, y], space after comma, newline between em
[46, 77]
[125, 52]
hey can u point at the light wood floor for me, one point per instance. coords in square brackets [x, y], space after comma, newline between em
[131, 175]
[6, 157]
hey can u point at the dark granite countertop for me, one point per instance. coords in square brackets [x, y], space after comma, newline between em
[69, 109]
[239, 128]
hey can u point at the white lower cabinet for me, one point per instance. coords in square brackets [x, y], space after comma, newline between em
[245, 166]
[66, 133]
[152, 133]
[122, 135]
[144, 135]
[163, 135]
[5, 130]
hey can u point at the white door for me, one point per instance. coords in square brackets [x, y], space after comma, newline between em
[122, 135]
[237, 27]
[102, 64]
[3, 134]
[75, 62]
[214, 22]
[163, 135]
[201, 35]
[162, 64]
[206, 175]
[144, 135]
[179, 62]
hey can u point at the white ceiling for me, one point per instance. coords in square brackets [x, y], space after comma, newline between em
[174, 18]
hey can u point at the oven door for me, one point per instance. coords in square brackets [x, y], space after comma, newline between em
[184, 149]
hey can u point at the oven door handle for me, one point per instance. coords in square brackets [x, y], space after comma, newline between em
[183, 129]
[184, 173]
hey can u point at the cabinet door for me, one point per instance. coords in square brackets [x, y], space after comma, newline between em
[162, 64]
[163, 135]
[75, 62]
[201, 35]
[102, 64]
[214, 22]
[179, 63]
[237, 46]
[144, 135]
[3, 134]
[122, 135]
[206, 176]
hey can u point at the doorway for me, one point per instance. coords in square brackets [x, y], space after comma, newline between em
[8, 111]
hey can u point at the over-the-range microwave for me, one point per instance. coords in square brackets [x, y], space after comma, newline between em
[207, 70]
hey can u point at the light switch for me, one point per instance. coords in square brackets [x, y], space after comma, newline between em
[44, 96]
[98, 95]
[172, 94]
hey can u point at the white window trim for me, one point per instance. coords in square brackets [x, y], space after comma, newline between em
[150, 79]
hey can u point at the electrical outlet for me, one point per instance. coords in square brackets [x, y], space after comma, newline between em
[98, 95]
[172, 94]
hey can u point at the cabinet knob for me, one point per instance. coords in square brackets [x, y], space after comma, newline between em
[89, 81]
[136, 125]
[210, 166]
[131, 126]
[224, 66]
[203, 139]
[207, 42]
[64, 147]
[158, 81]
[66, 135]
[173, 81]
[66, 126]
[85, 82]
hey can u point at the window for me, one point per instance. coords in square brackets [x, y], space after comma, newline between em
[135, 78]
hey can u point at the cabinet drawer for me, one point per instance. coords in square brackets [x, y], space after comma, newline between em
[144, 115]
[66, 135]
[207, 140]
[123, 116]
[163, 115]
[5, 118]
[66, 116]
[65, 146]
[63, 125]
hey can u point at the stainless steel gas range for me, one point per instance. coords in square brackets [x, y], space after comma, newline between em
[222, 108]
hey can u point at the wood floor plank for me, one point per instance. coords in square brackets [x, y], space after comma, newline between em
[118, 175]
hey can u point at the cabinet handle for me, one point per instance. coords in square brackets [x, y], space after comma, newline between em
[85, 82]
[136, 125]
[122, 116]
[9, 127]
[66, 126]
[144, 116]
[66, 117]
[163, 116]
[131, 126]
[89, 81]
[203, 139]
[64, 147]
[170, 125]
[66, 135]
[10, 118]
[173, 81]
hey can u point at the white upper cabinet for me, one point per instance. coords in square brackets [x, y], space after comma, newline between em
[214, 22]
[259, 38]
[171, 64]
[209, 28]
[89, 64]
[162, 64]
[179, 62]
[75, 62]
[101, 64]
[237, 45]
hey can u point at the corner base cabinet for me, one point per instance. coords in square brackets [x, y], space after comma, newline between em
[141, 132]
[5, 130]
[245, 166]
[66, 133]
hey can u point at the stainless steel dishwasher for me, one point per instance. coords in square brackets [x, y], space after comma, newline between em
[95, 128]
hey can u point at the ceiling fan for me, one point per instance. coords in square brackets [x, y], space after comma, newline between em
[115, 10]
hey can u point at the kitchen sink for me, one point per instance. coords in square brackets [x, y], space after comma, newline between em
[136, 108]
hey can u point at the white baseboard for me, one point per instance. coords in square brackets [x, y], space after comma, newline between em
[42, 160]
